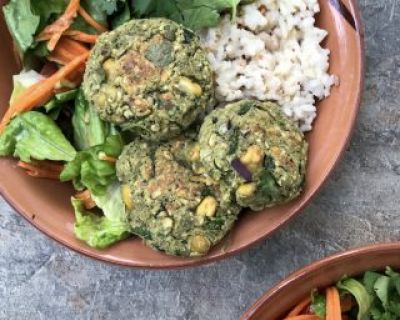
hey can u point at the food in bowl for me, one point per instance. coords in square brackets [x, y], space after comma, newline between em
[150, 76]
[374, 295]
[272, 51]
[171, 205]
[253, 148]
[104, 86]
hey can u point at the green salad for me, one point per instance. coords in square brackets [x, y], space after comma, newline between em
[50, 127]
[373, 296]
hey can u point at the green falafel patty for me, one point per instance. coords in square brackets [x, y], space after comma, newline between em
[255, 149]
[150, 76]
[171, 203]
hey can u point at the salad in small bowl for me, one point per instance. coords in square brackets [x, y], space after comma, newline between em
[359, 284]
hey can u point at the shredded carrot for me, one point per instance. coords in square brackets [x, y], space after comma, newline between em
[108, 158]
[42, 91]
[304, 317]
[86, 198]
[299, 308]
[90, 21]
[42, 169]
[81, 36]
[333, 311]
[56, 30]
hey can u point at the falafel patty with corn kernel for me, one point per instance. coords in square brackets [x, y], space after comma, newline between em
[149, 76]
[252, 147]
[170, 202]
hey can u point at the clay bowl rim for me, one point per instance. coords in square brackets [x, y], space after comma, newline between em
[190, 263]
[308, 270]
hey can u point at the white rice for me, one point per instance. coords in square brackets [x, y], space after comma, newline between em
[272, 52]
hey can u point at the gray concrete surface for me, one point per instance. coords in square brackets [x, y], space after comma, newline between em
[39, 279]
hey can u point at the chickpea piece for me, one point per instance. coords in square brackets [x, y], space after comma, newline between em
[246, 190]
[253, 156]
[165, 75]
[195, 153]
[207, 207]
[126, 196]
[167, 223]
[188, 86]
[199, 244]
[109, 67]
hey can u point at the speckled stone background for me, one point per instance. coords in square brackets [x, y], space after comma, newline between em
[40, 279]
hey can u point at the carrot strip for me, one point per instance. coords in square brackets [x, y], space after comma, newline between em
[86, 198]
[299, 308]
[73, 46]
[57, 29]
[81, 36]
[108, 158]
[304, 317]
[333, 311]
[90, 21]
[42, 91]
[42, 169]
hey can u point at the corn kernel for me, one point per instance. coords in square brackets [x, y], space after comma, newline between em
[246, 190]
[126, 196]
[200, 244]
[188, 86]
[207, 207]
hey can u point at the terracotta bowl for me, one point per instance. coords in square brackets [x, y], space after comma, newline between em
[46, 204]
[278, 301]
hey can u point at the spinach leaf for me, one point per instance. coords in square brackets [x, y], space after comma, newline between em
[318, 305]
[121, 16]
[194, 14]
[89, 129]
[22, 23]
[91, 170]
[34, 135]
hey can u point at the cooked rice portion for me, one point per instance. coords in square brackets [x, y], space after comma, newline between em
[273, 52]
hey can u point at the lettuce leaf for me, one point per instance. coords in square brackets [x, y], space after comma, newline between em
[22, 23]
[90, 170]
[102, 231]
[194, 14]
[23, 81]
[89, 129]
[34, 135]
[360, 293]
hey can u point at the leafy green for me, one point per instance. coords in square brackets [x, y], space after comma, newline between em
[34, 135]
[60, 99]
[121, 16]
[194, 14]
[48, 11]
[89, 129]
[102, 231]
[90, 170]
[360, 293]
[23, 81]
[318, 305]
[21, 22]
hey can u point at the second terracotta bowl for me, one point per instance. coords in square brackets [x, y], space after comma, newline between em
[278, 301]
[47, 206]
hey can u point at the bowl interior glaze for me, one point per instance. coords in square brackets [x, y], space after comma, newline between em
[46, 204]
